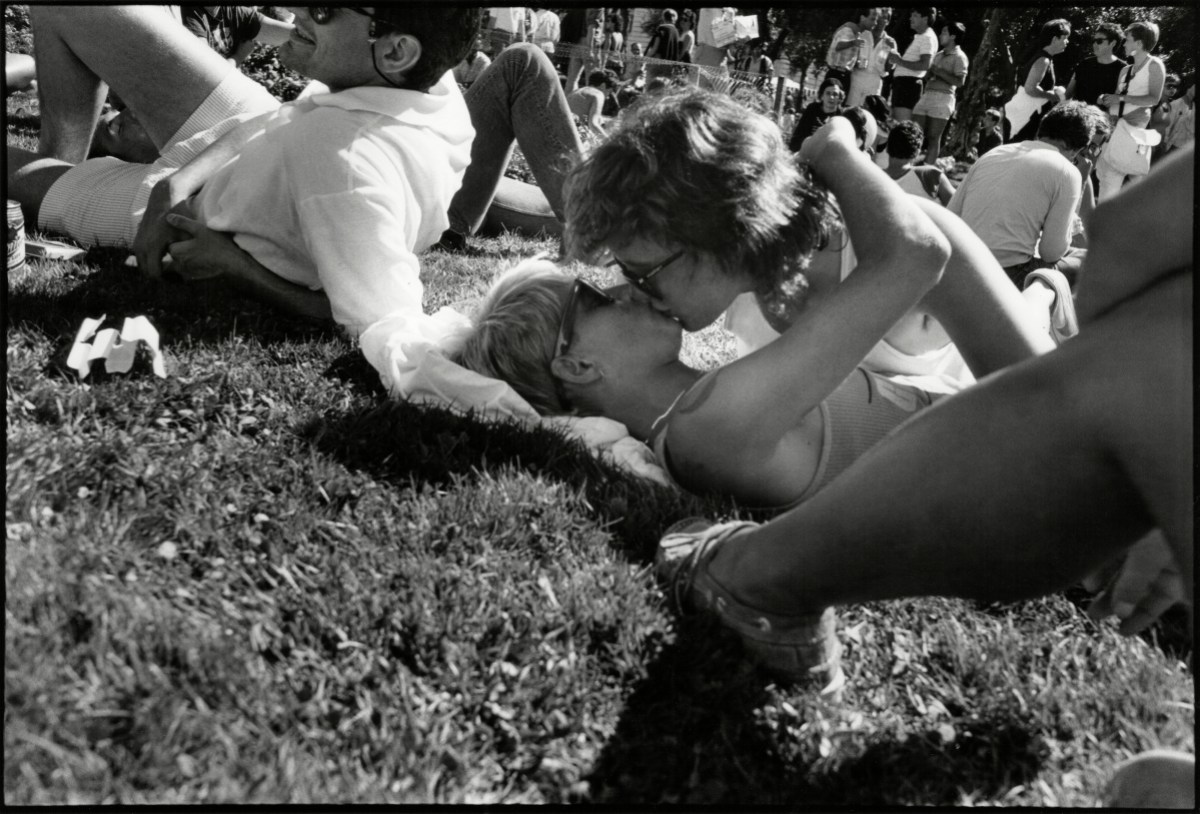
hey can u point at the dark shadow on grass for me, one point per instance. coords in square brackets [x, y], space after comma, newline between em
[403, 443]
[988, 757]
[203, 312]
[688, 734]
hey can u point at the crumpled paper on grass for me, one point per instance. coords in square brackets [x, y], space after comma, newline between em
[410, 350]
[116, 349]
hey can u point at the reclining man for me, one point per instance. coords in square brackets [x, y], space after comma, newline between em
[328, 199]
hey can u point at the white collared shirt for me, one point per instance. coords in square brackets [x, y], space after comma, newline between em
[341, 191]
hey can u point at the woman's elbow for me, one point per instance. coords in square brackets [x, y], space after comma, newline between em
[930, 253]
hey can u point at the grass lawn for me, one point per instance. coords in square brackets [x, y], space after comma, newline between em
[259, 580]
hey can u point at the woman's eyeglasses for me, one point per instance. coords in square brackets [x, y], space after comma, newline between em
[642, 281]
[583, 295]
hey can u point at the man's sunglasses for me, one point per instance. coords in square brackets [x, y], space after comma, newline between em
[642, 281]
[583, 295]
[323, 14]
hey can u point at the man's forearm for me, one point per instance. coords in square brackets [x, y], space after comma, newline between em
[252, 278]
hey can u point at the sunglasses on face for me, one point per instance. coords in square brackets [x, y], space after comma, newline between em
[323, 14]
[585, 296]
[642, 281]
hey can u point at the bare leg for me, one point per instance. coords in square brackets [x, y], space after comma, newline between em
[30, 177]
[933, 138]
[1016, 487]
[156, 66]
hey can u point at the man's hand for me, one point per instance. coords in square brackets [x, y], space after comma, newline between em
[154, 234]
[1147, 584]
[201, 253]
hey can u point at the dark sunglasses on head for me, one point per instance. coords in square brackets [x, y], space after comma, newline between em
[642, 281]
[583, 295]
[323, 14]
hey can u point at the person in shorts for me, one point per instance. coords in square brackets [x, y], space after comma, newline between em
[910, 69]
[320, 205]
[947, 73]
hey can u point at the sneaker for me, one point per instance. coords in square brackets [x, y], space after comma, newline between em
[1063, 322]
[795, 648]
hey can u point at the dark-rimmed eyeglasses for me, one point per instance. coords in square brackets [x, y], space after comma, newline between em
[642, 281]
[323, 14]
[583, 295]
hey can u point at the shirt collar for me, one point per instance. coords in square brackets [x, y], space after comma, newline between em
[387, 101]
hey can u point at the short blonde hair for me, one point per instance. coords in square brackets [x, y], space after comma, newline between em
[514, 332]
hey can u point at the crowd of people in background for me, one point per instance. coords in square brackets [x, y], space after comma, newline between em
[907, 275]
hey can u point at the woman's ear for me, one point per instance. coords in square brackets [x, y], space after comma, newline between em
[574, 370]
[398, 53]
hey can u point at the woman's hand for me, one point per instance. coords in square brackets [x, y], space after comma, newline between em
[202, 253]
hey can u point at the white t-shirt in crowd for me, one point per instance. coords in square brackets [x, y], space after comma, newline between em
[923, 43]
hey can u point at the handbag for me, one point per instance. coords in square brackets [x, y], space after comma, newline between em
[1128, 148]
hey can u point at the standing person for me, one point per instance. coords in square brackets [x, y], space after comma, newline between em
[764, 67]
[545, 28]
[910, 69]
[1022, 198]
[510, 24]
[1183, 131]
[827, 105]
[851, 48]
[687, 35]
[612, 49]
[1140, 87]
[1039, 88]
[582, 29]
[989, 132]
[1163, 115]
[663, 45]
[1098, 73]
[867, 80]
[947, 73]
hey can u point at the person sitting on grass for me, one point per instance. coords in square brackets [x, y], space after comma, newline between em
[972, 498]
[989, 133]
[828, 104]
[903, 147]
[319, 205]
[588, 102]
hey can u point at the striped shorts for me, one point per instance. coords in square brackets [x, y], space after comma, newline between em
[100, 202]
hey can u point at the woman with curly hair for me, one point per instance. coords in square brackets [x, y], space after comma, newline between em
[697, 201]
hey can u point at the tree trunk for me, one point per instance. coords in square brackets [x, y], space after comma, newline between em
[991, 67]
